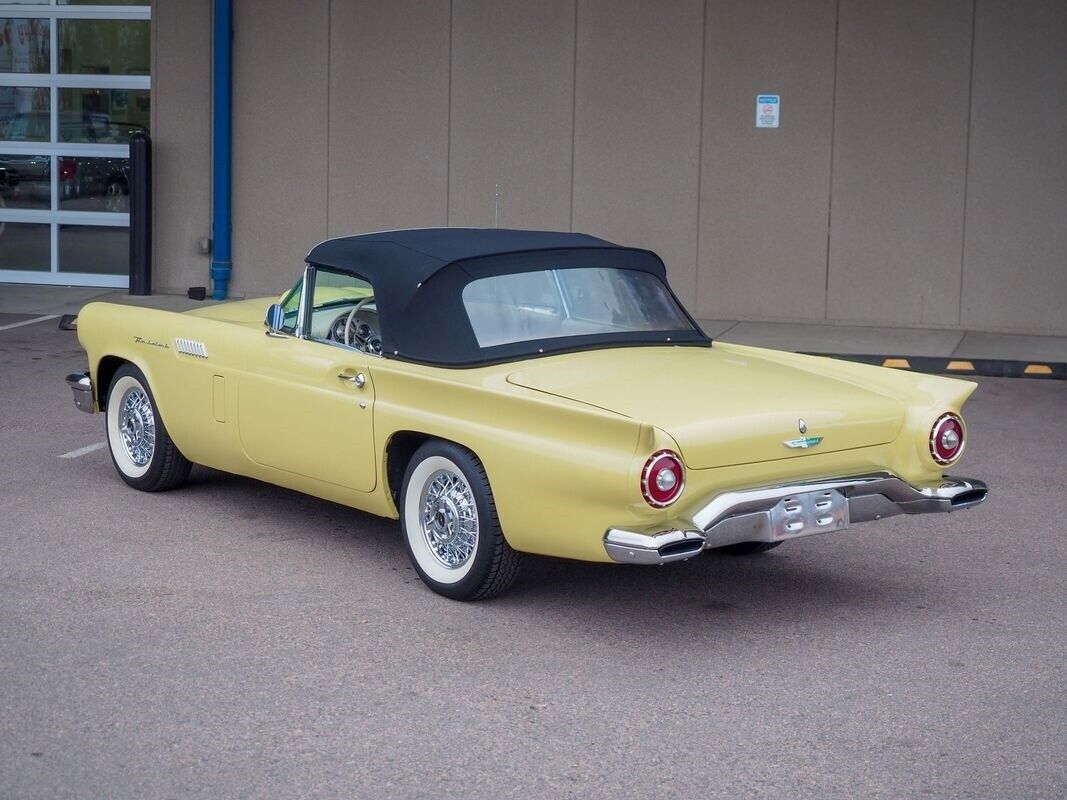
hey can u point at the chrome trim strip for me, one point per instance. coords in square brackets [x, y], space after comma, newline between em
[82, 386]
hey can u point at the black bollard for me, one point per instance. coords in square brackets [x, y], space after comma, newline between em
[140, 214]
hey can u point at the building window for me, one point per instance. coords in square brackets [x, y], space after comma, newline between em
[75, 84]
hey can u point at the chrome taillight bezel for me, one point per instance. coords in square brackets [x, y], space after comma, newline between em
[937, 430]
[651, 468]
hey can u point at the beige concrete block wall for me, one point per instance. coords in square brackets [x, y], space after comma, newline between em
[280, 163]
[765, 193]
[181, 142]
[1016, 242]
[511, 120]
[917, 179]
[899, 163]
[388, 115]
[637, 128]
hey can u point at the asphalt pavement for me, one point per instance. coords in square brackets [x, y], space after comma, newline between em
[235, 640]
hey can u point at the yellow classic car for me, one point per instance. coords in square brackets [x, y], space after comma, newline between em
[505, 392]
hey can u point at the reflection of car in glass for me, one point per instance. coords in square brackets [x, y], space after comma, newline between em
[25, 180]
[103, 181]
[97, 177]
[504, 392]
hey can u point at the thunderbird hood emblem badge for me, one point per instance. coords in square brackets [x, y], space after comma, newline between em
[804, 442]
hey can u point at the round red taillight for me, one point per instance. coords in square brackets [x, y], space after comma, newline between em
[947, 438]
[663, 478]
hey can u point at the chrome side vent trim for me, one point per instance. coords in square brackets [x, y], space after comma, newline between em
[190, 347]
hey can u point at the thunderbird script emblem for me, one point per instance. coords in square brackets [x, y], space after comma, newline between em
[804, 442]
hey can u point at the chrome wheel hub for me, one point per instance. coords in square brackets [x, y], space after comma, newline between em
[137, 426]
[449, 519]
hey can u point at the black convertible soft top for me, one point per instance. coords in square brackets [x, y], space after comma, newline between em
[419, 275]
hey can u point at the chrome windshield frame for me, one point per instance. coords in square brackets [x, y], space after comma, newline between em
[303, 308]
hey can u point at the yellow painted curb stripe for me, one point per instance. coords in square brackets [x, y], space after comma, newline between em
[1038, 369]
[960, 365]
[896, 363]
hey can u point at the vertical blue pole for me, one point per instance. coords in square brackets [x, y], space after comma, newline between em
[221, 137]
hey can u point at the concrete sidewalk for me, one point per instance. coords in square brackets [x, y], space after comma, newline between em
[864, 340]
[21, 304]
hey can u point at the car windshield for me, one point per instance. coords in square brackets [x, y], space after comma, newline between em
[332, 290]
[576, 301]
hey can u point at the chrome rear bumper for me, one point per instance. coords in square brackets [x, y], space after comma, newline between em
[779, 513]
[82, 387]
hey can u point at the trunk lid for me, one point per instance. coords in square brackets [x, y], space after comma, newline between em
[722, 408]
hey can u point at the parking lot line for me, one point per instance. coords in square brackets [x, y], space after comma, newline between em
[28, 322]
[81, 451]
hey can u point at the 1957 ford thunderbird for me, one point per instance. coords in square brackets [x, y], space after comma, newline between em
[506, 392]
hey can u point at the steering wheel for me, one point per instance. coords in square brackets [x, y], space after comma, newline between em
[350, 331]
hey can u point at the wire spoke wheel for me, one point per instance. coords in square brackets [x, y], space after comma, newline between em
[141, 448]
[137, 424]
[451, 530]
[449, 519]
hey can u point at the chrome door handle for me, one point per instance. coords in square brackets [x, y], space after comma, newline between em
[359, 379]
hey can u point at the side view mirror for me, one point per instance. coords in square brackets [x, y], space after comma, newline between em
[275, 320]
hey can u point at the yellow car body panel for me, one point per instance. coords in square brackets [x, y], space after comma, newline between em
[563, 438]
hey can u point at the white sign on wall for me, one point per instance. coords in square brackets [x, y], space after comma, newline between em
[767, 106]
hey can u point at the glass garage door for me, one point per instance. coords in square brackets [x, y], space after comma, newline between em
[74, 85]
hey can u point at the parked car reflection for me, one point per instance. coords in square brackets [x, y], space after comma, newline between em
[94, 184]
[25, 181]
[85, 183]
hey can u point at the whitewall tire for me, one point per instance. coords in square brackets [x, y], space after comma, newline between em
[450, 526]
[141, 449]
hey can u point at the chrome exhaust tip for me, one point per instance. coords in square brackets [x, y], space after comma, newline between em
[629, 547]
[969, 498]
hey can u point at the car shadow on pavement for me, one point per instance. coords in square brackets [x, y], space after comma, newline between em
[713, 583]
[787, 586]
